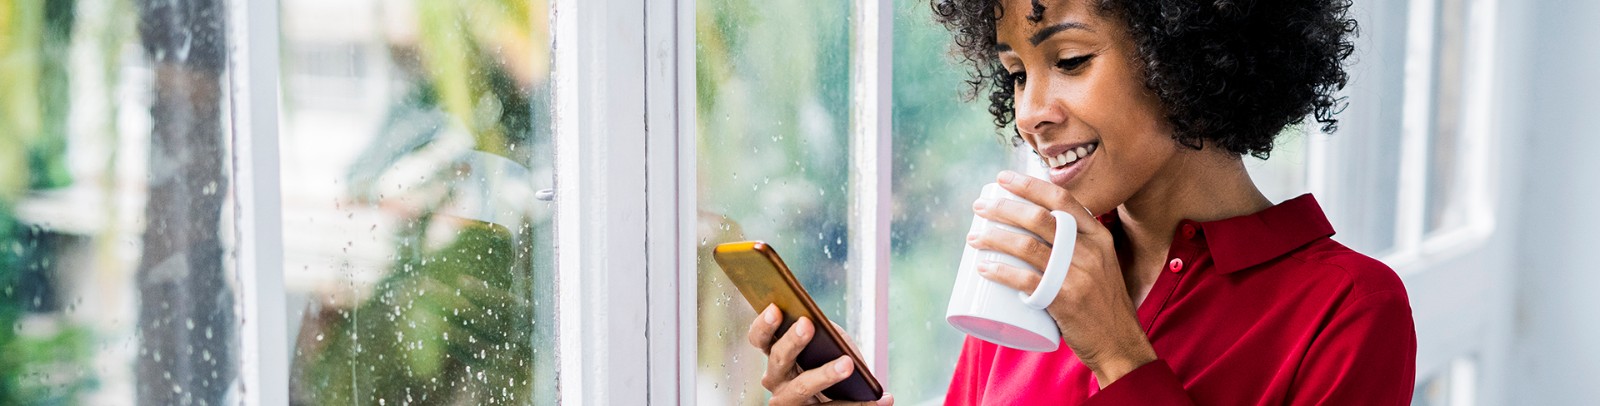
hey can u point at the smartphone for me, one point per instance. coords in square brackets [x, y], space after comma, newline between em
[764, 280]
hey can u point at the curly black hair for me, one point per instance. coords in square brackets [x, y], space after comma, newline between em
[1232, 72]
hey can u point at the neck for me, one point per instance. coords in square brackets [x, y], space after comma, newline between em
[1204, 185]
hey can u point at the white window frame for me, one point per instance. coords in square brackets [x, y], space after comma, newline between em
[1415, 248]
[253, 75]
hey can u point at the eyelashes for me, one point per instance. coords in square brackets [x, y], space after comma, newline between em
[1072, 64]
[1068, 65]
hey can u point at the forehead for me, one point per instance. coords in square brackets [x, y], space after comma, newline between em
[1014, 28]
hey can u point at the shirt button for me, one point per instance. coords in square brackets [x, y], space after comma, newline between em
[1175, 265]
[1188, 231]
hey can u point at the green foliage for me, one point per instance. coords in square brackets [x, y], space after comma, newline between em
[446, 326]
[45, 365]
[47, 362]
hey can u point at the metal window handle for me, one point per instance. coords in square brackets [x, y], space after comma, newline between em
[547, 195]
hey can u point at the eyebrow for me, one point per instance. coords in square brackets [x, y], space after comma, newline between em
[1045, 33]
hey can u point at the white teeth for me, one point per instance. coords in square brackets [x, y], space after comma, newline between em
[1067, 158]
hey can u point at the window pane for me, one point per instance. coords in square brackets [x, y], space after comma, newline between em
[773, 116]
[416, 136]
[945, 150]
[115, 197]
[1363, 157]
[1445, 160]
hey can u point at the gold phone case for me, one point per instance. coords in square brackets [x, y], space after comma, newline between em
[764, 279]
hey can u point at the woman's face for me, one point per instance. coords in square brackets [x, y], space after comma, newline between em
[1081, 102]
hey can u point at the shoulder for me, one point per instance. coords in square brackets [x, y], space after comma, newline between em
[1358, 276]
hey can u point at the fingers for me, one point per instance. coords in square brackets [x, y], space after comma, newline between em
[780, 364]
[1027, 248]
[1016, 278]
[805, 387]
[763, 327]
[1052, 197]
[1033, 218]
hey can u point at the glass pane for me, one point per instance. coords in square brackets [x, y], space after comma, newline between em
[773, 116]
[1445, 186]
[945, 150]
[1283, 175]
[115, 197]
[418, 261]
[1363, 157]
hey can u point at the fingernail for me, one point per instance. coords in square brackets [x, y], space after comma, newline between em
[803, 327]
[887, 399]
[842, 365]
[972, 237]
[1007, 176]
[771, 314]
[986, 267]
[981, 204]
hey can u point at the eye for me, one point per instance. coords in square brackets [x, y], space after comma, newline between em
[1073, 63]
[1018, 78]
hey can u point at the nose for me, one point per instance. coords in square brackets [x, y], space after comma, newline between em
[1037, 111]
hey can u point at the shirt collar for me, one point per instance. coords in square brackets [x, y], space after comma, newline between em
[1242, 242]
[1239, 243]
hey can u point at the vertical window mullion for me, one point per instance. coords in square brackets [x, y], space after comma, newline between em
[871, 75]
[599, 76]
[264, 359]
[669, 176]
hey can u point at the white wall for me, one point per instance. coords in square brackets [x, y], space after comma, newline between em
[1556, 322]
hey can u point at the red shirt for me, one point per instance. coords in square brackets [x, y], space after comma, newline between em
[1262, 309]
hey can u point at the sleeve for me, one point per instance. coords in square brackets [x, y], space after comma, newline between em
[971, 368]
[1151, 384]
[1367, 355]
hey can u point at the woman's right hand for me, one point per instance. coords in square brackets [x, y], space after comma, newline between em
[788, 384]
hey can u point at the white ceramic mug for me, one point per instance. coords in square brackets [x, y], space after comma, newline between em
[997, 313]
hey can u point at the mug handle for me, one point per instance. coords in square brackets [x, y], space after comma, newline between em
[1055, 270]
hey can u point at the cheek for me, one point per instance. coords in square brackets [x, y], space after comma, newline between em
[1135, 138]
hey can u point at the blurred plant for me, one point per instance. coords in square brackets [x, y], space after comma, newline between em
[450, 322]
[445, 327]
[42, 359]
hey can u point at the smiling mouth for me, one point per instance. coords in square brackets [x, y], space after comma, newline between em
[1071, 156]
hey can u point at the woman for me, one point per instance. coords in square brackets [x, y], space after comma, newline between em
[1187, 285]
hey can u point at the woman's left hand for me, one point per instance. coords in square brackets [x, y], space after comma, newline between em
[1093, 310]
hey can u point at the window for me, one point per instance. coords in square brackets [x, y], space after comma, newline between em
[945, 150]
[1447, 148]
[418, 251]
[418, 259]
[774, 148]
